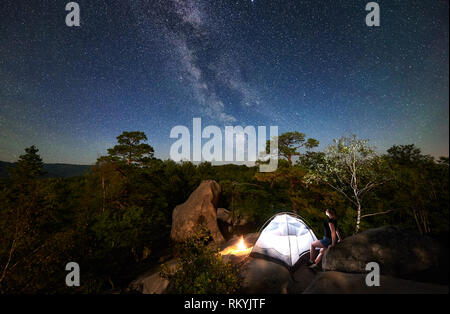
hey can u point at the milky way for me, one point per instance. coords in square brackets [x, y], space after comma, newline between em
[194, 40]
[311, 66]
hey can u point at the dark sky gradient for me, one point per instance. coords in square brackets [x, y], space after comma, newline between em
[312, 66]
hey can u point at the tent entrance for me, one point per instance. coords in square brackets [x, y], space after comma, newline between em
[285, 238]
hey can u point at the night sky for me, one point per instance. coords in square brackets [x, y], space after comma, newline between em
[310, 66]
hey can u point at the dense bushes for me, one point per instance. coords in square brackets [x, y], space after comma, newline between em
[115, 220]
[201, 269]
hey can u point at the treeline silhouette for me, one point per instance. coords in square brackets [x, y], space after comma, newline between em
[114, 221]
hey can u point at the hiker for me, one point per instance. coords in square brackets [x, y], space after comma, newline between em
[331, 235]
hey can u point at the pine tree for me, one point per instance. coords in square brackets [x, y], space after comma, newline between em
[130, 148]
[29, 165]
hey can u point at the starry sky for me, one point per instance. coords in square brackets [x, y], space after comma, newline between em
[149, 65]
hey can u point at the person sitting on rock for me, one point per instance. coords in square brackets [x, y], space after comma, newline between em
[331, 234]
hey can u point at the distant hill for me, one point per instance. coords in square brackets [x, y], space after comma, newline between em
[51, 170]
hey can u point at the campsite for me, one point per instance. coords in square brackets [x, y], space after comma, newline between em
[244, 151]
[273, 260]
[153, 226]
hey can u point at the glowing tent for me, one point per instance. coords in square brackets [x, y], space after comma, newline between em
[285, 238]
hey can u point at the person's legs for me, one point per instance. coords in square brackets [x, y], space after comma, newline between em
[319, 257]
[312, 251]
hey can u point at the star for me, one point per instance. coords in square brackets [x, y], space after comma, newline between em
[304, 66]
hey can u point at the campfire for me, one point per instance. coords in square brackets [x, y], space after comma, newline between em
[238, 249]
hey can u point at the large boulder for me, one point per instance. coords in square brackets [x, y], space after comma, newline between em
[337, 282]
[151, 282]
[399, 253]
[302, 278]
[199, 209]
[224, 215]
[260, 276]
[264, 277]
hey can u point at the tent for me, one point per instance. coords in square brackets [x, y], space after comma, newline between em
[286, 239]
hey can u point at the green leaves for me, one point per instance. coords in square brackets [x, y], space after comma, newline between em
[351, 167]
[201, 269]
[421, 188]
[29, 165]
[290, 143]
[115, 220]
[130, 149]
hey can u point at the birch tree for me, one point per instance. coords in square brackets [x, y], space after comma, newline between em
[351, 167]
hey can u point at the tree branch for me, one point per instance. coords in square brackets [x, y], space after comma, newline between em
[373, 214]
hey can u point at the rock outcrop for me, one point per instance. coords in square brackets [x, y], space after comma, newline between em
[343, 283]
[241, 223]
[265, 277]
[261, 276]
[224, 215]
[302, 277]
[199, 209]
[399, 253]
[151, 282]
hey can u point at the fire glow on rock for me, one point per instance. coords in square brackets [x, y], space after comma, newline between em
[238, 249]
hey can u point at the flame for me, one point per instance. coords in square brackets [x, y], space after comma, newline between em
[238, 249]
[241, 245]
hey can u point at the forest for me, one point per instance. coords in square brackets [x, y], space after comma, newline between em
[115, 219]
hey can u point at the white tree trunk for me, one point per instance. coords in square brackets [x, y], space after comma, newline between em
[358, 218]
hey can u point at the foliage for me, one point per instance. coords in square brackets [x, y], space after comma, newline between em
[130, 148]
[289, 145]
[29, 166]
[115, 220]
[421, 187]
[201, 269]
[352, 168]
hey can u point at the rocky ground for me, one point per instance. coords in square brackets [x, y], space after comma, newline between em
[409, 263]
[343, 268]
